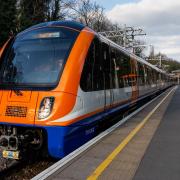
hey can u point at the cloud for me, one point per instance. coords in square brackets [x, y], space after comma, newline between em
[159, 19]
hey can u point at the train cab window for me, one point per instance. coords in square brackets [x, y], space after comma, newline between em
[36, 58]
[92, 75]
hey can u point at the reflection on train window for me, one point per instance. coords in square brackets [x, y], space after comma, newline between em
[37, 57]
[110, 61]
[114, 69]
[106, 66]
[141, 74]
[122, 68]
[148, 75]
[92, 74]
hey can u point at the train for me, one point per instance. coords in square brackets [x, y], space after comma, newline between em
[60, 81]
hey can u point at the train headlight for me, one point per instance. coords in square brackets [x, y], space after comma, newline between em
[45, 107]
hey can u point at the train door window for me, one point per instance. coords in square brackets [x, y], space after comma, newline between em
[141, 73]
[145, 74]
[123, 68]
[106, 65]
[133, 76]
[114, 69]
[127, 68]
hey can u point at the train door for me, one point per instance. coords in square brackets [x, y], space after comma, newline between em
[107, 76]
[133, 80]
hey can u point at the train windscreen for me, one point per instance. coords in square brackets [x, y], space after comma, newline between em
[36, 58]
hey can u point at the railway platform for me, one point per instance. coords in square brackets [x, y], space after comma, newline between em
[145, 147]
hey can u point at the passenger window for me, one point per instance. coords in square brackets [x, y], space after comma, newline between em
[154, 75]
[86, 77]
[106, 65]
[123, 68]
[141, 74]
[148, 75]
[133, 74]
[92, 75]
[98, 79]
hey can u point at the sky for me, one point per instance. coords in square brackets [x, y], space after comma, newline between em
[160, 19]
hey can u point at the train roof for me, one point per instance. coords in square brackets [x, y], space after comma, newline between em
[139, 59]
[70, 24]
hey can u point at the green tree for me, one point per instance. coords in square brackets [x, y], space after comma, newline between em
[32, 12]
[26, 13]
[55, 10]
[7, 19]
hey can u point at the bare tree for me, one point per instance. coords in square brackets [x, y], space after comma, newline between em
[55, 10]
[88, 13]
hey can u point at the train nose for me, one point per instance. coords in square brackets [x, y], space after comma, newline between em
[4, 142]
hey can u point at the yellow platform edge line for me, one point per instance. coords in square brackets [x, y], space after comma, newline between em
[98, 171]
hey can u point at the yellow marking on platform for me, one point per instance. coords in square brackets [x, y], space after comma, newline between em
[98, 171]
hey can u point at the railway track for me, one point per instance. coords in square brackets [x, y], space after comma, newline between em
[14, 170]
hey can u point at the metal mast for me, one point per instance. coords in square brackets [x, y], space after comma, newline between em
[126, 37]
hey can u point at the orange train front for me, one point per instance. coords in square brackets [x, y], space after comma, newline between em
[59, 81]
